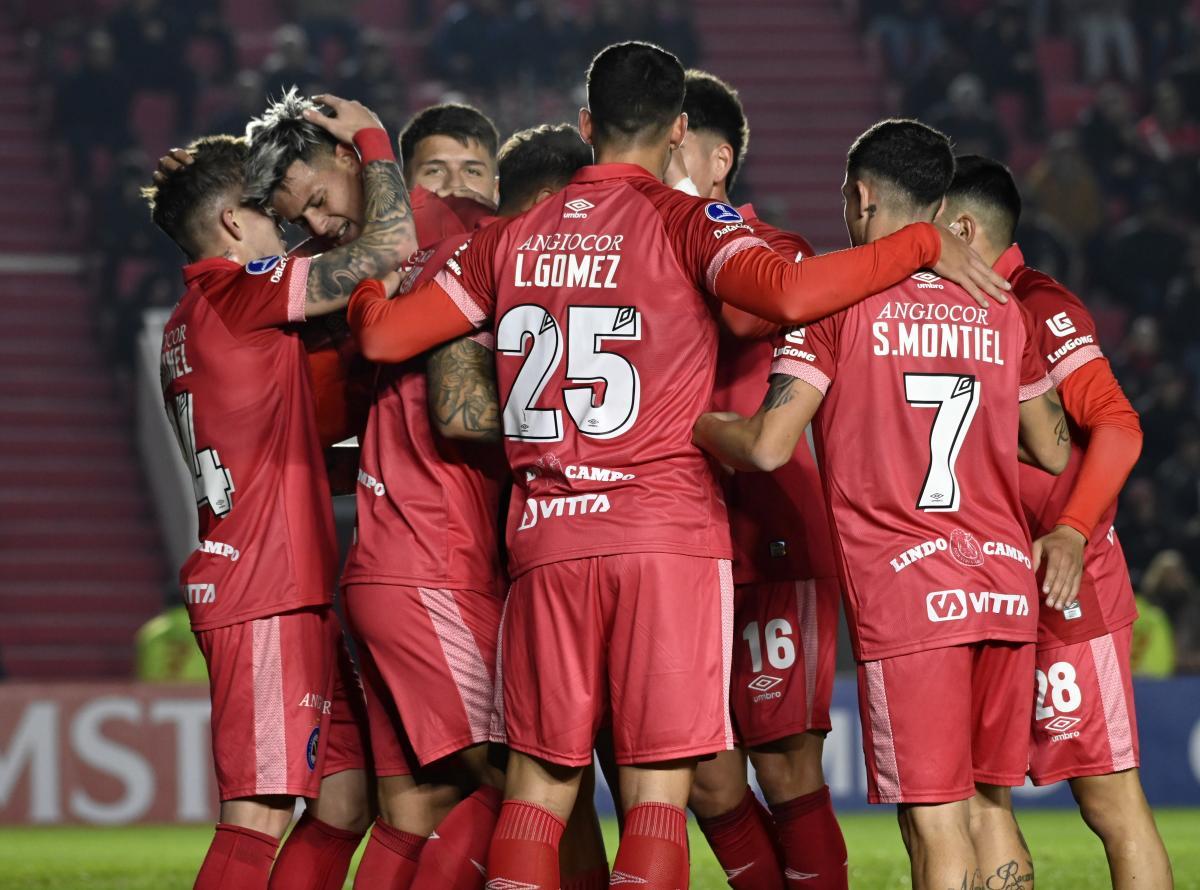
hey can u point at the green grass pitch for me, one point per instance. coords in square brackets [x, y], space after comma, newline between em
[1065, 853]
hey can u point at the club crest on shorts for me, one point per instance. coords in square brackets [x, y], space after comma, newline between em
[310, 750]
[722, 213]
[262, 265]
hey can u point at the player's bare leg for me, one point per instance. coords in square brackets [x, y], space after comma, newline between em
[582, 860]
[347, 800]
[938, 838]
[719, 785]
[1004, 857]
[538, 799]
[810, 838]
[269, 814]
[1115, 808]
[654, 848]
[415, 807]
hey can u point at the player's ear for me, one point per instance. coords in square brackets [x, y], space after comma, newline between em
[866, 202]
[346, 156]
[679, 130]
[231, 225]
[542, 195]
[722, 161]
[585, 125]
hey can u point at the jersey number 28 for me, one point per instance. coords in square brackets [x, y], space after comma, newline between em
[530, 331]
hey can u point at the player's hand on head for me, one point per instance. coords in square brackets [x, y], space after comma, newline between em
[172, 162]
[462, 191]
[348, 117]
[961, 264]
[1062, 552]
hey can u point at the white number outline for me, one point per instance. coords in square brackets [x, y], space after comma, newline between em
[212, 483]
[520, 417]
[1063, 688]
[922, 391]
[776, 640]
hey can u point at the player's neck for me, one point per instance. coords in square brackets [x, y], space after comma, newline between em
[987, 251]
[719, 194]
[652, 159]
[886, 222]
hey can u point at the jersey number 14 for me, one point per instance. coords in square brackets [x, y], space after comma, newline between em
[211, 481]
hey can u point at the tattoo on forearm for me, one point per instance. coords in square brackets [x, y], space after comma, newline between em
[1061, 430]
[779, 392]
[388, 235]
[462, 387]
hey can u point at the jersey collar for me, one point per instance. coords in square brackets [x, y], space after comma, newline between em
[747, 211]
[192, 271]
[601, 172]
[1009, 261]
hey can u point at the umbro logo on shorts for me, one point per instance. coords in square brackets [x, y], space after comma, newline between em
[1061, 724]
[620, 877]
[763, 682]
[506, 884]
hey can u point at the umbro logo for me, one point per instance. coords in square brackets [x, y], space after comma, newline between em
[792, 875]
[1061, 724]
[732, 873]
[506, 884]
[763, 682]
[577, 209]
[621, 877]
[928, 280]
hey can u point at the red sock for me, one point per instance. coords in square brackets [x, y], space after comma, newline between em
[653, 851]
[455, 857]
[390, 860]
[525, 846]
[813, 846]
[593, 879]
[238, 859]
[744, 846]
[315, 856]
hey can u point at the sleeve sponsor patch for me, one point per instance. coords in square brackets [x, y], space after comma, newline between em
[722, 213]
[1060, 325]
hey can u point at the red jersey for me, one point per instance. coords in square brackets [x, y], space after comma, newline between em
[777, 521]
[428, 507]
[605, 356]
[238, 394]
[1065, 334]
[917, 444]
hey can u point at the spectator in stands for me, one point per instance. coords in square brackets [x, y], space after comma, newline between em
[1170, 584]
[1178, 477]
[672, 29]
[1142, 253]
[92, 105]
[372, 76]
[1143, 529]
[290, 63]
[326, 21]
[1106, 32]
[910, 34]
[1108, 136]
[471, 48]
[549, 23]
[1168, 132]
[149, 37]
[1181, 317]
[1062, 184]
[1003, 48]
[247, 102]
[1166, 408]
[967, 118]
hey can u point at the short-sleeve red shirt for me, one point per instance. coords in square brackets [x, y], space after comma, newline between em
[778, 521]
[237, 391]
[917, 445]
[1064, 333]
[605, 355]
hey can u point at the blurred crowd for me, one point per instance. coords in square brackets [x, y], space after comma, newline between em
[1094, 103]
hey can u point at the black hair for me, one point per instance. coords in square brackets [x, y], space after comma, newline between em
[988, 185]
[538, 158]
[462, 123]
[913, 156]
[179, 204]
[634, 91]
[713, 105]
[278, 138]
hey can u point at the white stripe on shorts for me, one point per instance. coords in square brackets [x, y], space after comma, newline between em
[270, 736]
[499, 730]
[887, 773]
[806, 611]
[1116, 707]
[467, 667]
[725, 571]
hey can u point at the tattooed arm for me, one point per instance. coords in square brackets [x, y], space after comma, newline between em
[388, 233]
[461, 380]
[1045, 437]
[767, 440]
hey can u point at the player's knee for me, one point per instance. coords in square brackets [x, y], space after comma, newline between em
[710, 799]
[1110, 805]
[345, 801]
[792, 770]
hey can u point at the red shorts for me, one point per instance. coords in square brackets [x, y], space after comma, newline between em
[647, 634]
[349, 745]
[429, 662]
[271, 680]
[785, 641]
[1084, 722]
[936, 722]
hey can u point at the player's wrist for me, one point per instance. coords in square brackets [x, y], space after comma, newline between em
[1067, 522]
[374, 144]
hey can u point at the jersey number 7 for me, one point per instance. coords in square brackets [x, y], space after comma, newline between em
[530, 331]
[956, 397]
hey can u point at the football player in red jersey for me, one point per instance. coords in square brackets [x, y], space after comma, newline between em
[922, 395]
[1084, 727]
[239, 397]
[785, 594]
[450, 150]
[618, 542]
